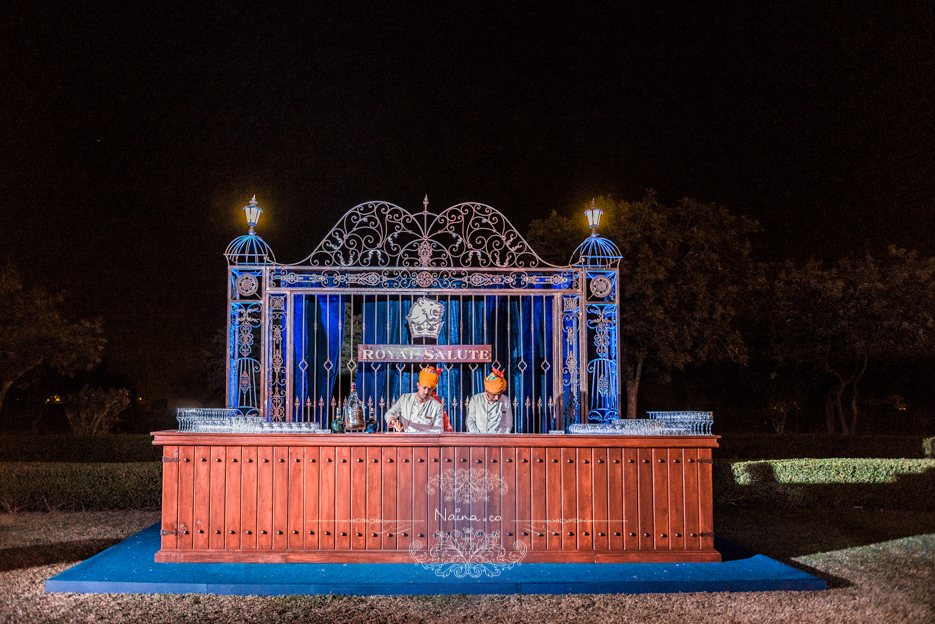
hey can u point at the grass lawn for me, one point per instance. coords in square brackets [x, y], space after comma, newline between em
[880, 566]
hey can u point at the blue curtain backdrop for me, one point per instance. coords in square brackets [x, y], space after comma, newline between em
[518, 329]
[324, 345]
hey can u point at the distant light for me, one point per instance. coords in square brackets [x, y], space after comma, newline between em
[594, 217]
[253, 213]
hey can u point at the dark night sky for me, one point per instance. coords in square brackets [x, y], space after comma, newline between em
[131, 137]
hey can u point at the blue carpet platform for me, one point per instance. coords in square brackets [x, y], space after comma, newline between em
[128, 568]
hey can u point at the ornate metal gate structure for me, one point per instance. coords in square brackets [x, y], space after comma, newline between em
[294, 329]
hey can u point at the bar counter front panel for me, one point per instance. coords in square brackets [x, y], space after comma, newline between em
[391, 498]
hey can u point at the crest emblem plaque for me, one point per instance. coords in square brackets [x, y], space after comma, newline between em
[425, 318]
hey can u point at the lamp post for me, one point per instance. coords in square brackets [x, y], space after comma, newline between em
[253, 213]
[594, 217]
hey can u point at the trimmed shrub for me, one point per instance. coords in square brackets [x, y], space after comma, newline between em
[928, 447]
[877, 483]
[79, 449]
[79, 487]
[801, 445]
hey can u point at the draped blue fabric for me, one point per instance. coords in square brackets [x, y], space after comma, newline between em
[544, 353]
[299, 346]
[518, 328]
[476, 316]
[401, 378]
[371, 378]
[329, 314]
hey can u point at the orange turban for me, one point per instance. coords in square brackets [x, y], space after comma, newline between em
[428, 377]
[494, 382]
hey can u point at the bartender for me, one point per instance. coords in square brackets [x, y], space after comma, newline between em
[489, 411]
[421, 410]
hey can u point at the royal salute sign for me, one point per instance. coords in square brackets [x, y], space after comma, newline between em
[425, 320]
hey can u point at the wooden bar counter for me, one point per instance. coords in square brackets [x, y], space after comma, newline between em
[380, 498]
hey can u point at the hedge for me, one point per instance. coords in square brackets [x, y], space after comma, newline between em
[812, 445]
[875, 483]
[88, 449]
[80, 487]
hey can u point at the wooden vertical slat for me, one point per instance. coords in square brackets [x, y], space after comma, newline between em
[358, 497]
[524, 496]
[631, 499]
[170, 497]
[434, 500]
[676, 501]
[615, 507]
[586, 494]
[388, 533]
[280, 497]
[646, 527]
[233, 530]
[201, 508]
[342, 499]
[312, 495]
[599, 489]
[661, 498]
[372, 527]
[510, 530]
[570, 476]
[327, 500]
[493, 518]
[264, 498]
[218, 492]
[692, 511]
[186, 495]
[539, 497]
[705, 498]
[404, 526]
[248, 498]
[420, 498]
[553, 492]
[296, 524]
[476, 464]
[451, 462]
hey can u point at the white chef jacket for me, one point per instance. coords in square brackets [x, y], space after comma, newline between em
[416, 416]
[489, 416]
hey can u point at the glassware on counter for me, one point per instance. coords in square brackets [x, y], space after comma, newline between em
[659, 424]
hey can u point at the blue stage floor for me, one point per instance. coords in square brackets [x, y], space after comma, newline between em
[128, 568]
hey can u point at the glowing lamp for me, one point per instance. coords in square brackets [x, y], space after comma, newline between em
[253, 213]
[594, 217]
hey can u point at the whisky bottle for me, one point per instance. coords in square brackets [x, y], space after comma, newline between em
[354, 410]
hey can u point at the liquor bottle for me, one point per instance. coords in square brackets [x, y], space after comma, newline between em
[354, 410]
[337, 425]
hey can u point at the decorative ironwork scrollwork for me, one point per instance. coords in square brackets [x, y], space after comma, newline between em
[277, 369]
[247, 285]
[601, 287]
[392, 279]
[464, 235]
